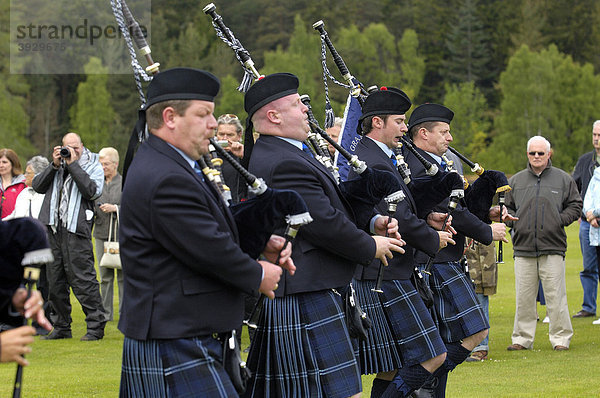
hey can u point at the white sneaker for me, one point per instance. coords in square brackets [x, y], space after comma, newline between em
[546, 319]
[596, 322]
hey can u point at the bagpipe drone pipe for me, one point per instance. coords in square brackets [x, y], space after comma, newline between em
[257, 218]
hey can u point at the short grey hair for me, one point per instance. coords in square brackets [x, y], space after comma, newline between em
[37, 163]
[539, 138]
[596, 124]
[338, 121]
[109, 153]
[232, 119]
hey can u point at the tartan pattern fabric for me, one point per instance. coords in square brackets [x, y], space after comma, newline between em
[379, 353]
[174, 368]
[458, 312]
[302, 349]
[142, 373]
[414, 338]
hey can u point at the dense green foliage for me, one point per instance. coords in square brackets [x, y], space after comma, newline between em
[510, 69]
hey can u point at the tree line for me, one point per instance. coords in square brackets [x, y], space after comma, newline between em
[509, 69]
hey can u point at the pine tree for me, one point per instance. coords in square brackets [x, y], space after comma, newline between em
[467, 44]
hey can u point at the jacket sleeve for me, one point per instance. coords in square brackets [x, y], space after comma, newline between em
[43, 181]
[509, 202]
[577, 172]
[588, 201]
[330, 229]
[572, 205]
[89, 185]
[184, 223]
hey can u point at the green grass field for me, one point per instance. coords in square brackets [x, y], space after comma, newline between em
[70, 368]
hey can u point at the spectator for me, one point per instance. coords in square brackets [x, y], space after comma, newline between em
[13, 180]
[546, 200]
[29, 202]
[107, 206]
[589, 276]
[591, 209]
[334, 133]
[72, 181]
[229, 133]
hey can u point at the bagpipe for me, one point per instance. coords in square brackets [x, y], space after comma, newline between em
[479, 196]
[427, 192]
[440, 185]
[25, 249]
[364, 193]
[257, 218]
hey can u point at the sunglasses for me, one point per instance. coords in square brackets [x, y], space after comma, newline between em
[533, 153]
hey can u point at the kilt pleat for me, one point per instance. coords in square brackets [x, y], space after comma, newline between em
[301, 348]
[416, 334]
[407, 334]
[174, 368]
[459, 313]
[142, 373]
[379, 352]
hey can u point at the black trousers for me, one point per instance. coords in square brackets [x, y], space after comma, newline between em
[73, 267]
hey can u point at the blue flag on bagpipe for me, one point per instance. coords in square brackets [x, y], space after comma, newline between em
[349, 137]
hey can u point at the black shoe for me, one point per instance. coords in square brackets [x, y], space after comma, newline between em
[40, 331]
[57, 335]
[427, 390]
[90, 337]
[584, 314]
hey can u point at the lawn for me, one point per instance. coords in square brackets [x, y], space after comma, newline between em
[70, 368]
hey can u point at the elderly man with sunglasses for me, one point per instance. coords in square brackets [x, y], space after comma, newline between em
[546, 200]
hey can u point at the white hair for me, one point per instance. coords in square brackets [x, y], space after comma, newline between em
[596, 124]
[539, 138]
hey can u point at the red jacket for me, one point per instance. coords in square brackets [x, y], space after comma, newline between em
[9, 196]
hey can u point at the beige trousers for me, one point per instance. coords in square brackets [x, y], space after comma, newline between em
[550, 270]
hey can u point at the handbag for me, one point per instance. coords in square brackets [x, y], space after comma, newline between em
[233, 364]
[356, 319]
[111, 258]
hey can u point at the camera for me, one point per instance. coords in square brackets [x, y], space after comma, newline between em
[65, 152]
[223, 143]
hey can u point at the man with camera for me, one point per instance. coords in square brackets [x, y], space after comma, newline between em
[71, 183]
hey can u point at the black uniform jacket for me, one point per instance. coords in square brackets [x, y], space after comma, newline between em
[184, 273]
[327, 250]
[413, 230]
[465, 223]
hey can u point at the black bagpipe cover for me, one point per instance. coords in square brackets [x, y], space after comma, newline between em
[19, 237]
[367, 190]
[480, 194]
[429, 191]
[259, 217]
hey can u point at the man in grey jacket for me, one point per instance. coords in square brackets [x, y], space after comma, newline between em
[546, 200]
[71, 183]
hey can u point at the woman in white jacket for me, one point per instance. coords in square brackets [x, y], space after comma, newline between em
[29, 202]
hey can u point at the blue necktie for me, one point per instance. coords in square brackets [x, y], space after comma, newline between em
[393, 159]
[443, 165]
[306, 149]
[198, 171]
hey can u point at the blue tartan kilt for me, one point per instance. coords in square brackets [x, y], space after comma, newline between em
[301, 348]
[174, 368]
[458, 312]
[403, 332]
